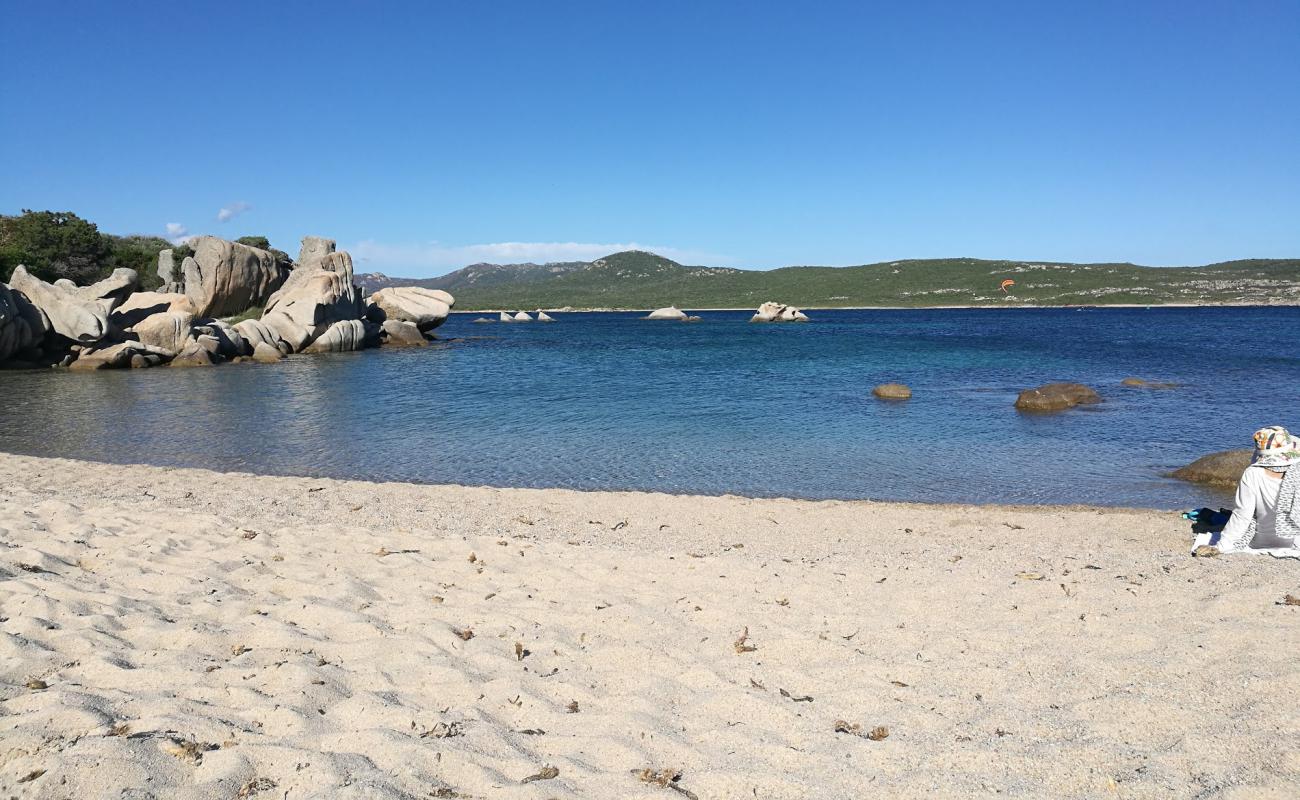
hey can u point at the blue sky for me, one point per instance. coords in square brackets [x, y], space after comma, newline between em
[425, 136]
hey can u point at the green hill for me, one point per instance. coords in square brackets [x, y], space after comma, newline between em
[640, 280]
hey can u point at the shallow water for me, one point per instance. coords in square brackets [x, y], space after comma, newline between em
[609, 401]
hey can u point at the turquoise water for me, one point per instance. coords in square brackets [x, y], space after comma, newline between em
[609, 401]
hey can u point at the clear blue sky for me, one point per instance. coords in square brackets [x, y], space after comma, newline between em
[427, 135]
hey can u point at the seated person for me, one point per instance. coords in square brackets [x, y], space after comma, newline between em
[1266, 516]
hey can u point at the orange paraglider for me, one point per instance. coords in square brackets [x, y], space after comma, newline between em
[1006, 283]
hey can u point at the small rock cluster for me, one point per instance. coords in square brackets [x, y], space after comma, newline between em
[311, 307]
[777, 312]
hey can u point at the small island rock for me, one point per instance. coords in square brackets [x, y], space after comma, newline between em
[1056, 397]
[778, 312]
[671, 312]
[892, 391]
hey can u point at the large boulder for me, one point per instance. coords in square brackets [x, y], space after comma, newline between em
[224, 277]
[78, 314]
[671, 312]
[315, 296]
[426, 308]
[1056, 397]
[230, 342]
[400, 332]
[778, 312]
[21, 325]
[1218, 469]
[892, 391]
[168, 331]
[264, 353]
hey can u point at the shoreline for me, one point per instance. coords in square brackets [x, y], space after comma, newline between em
[565, 310]
[194, 633]
[866, 502]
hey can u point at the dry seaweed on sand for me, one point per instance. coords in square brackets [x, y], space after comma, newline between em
[464, 633]
[444, 730]
[572, 707]
[545, 774]
[254, 786]
[36, 684]
[666, 778]
[187, 750]
[855, 729]
[1290, 600]
[797, 698]
[742, 644]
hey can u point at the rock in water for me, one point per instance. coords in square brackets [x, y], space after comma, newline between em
[223, 277]
[193, 354]
[505, 317]
[1139, 383]
[671, 312]
[116, 356]
[522, 316]
[314, 298]
[266, 354]
[1056, 397]
[1219, 469]
[892, 391]
[777, 312]
[542, 316]
[426, 308]
[400, 332]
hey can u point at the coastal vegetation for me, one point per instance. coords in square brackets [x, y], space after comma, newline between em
[637, 279]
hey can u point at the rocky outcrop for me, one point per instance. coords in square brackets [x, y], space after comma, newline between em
[77, 314]
[892, 391]
[1217, 469]
[671, 312]
[1056, 397]
[425, 308]
[314, 297]
[193, 355]
[542, 316]
[223, 277]
[776, 312]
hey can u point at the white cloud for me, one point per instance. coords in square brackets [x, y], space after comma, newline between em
[435, 258]
[231, 211]
[178, 233]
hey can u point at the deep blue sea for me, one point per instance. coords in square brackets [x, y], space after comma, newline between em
[610, 401]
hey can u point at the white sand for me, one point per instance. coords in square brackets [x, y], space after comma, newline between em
[303, 642]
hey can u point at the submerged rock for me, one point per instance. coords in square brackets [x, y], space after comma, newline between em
[892, 391]
[1219, 469]
[671, 312]
[1056, 397]
[1140, 383]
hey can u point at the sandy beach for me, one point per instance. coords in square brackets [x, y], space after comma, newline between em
[177, 633]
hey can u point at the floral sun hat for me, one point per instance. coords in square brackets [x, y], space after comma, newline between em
[1274, 447]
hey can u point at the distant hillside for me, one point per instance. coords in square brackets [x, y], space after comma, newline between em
[644, 280]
